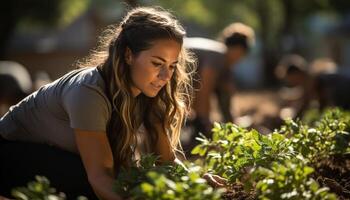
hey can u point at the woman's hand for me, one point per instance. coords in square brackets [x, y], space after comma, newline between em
[215, 180]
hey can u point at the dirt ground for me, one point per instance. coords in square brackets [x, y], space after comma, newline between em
[252, 109]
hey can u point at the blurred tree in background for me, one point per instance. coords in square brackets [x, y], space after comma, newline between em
[31, 14]
[279, 24]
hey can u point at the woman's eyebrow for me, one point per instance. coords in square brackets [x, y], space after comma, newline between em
[162, 59]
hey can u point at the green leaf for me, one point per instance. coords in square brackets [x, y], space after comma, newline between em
[147, 188]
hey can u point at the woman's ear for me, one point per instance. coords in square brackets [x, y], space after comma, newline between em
[128, 56]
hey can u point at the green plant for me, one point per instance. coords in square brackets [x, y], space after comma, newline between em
[323, 137]
[288, 180]
[39, 189]
[232, 150]
[190, 186]
[277, 165]
[147, 180]
[335, 123]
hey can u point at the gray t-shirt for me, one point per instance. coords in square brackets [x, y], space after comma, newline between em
[75, 101]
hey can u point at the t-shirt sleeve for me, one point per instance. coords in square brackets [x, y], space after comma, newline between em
[87, 108]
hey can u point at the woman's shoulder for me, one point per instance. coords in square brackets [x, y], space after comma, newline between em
[85, 83]
[83, 77]
[87, 75]
[87, 107]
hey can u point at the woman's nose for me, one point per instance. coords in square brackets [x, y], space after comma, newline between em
[165, 74]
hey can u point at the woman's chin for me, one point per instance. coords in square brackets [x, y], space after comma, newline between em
[150, 94]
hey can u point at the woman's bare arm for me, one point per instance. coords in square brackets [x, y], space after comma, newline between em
[97, 158]
[164, 149]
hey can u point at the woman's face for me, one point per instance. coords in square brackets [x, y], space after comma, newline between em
[153, 68]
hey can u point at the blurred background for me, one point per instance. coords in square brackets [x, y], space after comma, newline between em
[47, 36]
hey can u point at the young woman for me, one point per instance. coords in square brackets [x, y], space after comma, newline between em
[134, 101]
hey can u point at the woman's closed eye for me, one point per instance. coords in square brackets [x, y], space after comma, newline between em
[157, 64]
[173, 67]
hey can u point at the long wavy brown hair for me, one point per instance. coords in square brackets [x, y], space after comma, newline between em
[139, 28]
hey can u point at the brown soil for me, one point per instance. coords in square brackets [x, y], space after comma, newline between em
[334, 173]
[237, 192]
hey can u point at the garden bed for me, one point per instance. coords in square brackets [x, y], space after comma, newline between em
[307, 159]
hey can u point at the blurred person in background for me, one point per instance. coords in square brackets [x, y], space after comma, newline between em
[331, 84]
[216, 60]
[15, 84]
[315, 85]
[41, 78]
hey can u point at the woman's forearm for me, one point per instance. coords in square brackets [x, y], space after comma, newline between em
[102, 186]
